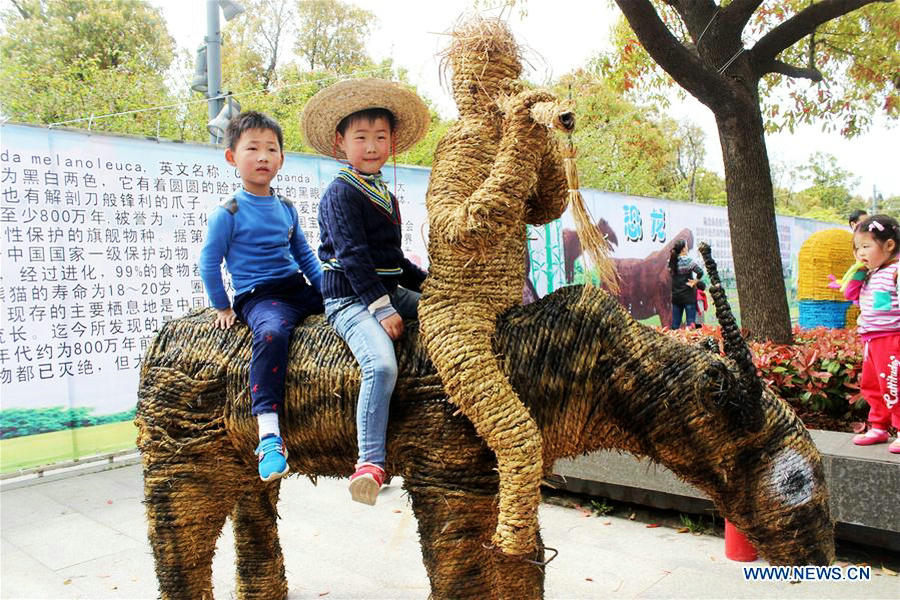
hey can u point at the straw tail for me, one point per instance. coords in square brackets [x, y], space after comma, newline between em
[735, 347]
[592, 241]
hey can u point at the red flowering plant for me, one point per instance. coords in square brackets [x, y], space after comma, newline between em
[818, 374]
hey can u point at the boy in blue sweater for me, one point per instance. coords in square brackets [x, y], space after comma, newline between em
[257, 234]
[368, 284]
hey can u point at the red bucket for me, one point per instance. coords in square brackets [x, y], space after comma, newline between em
[737, 547]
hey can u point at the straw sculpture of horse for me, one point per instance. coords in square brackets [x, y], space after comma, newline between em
[591, 376]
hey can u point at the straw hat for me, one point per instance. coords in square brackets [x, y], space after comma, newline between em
[325, 110]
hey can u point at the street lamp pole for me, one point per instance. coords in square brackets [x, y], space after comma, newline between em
[213, 62]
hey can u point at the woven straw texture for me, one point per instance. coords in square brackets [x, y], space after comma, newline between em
[494, 171]
[590, 376]
[325, 110]
[825, 252]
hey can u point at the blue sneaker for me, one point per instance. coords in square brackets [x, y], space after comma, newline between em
[272, 458]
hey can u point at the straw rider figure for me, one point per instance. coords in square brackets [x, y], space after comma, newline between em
[495, 171]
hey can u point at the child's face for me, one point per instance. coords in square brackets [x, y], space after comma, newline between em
[257, 157]
[870, 251]
[367, 144]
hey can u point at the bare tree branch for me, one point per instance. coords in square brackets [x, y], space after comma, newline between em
[680, 63]
[777, 66]
[799, 26]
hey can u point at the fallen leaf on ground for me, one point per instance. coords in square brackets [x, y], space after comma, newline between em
[324, 594]
[397, 510]
[683, 530]
[887, 571]
[67, 582]
[588, 579]
[607, 523]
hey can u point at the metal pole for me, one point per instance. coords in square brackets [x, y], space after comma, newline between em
[213, 62]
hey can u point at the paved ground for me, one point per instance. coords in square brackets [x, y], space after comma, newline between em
[85, 537]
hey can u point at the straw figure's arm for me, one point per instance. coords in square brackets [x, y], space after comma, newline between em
[550, 199]
[496, 207]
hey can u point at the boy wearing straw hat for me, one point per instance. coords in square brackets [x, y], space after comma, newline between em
[368, 284]
[256, 232]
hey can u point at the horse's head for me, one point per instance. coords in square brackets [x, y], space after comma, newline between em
[748, 451]
[709, 419]
[745, 447]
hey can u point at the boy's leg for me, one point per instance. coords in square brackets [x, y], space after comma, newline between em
[374, 351]
[272, 322]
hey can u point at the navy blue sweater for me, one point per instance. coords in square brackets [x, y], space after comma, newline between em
[360, 247]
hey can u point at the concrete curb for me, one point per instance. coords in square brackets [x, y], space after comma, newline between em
[862, 481]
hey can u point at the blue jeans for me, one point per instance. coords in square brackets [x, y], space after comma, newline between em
[374, 351]
[690, 311]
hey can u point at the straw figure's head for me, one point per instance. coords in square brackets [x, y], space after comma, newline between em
[486, 63]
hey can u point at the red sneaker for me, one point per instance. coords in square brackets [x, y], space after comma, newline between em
[894, 448]
[872, 436]
[366, 483]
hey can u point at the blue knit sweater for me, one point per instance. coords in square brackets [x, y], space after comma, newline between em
[260, 242]
[360, 246]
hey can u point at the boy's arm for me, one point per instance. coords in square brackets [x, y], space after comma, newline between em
[551, 195]
[344, 219]
[303, 254]
[218, 237]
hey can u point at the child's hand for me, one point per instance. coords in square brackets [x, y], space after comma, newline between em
[393, 325]
[833, 282]
[225, 318]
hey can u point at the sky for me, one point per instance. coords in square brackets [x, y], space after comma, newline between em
[562, 35]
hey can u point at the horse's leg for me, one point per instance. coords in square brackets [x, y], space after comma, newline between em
[187, 503]
[454, 528]
[260, 564]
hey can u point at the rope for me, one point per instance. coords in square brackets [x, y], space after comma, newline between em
[731, 60]
[715, 14]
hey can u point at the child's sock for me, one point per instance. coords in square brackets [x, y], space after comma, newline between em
[268, 424]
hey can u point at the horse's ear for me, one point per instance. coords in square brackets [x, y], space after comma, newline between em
[719, 388]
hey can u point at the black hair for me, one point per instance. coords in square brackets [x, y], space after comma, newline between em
[367, 114]
[250, 119]
[856, 215]
[882, 228]
[701, 286]
[673, 255]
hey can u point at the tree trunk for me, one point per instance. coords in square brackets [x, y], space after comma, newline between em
[751, 219]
